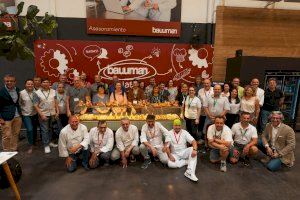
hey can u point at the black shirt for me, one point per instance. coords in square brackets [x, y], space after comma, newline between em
[272, 99]
[180, 97]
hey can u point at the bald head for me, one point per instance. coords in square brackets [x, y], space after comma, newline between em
[74, 122]
[217, 90]
[207, 84]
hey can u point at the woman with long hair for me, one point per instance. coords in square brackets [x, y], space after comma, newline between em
[155, 97]
[226, 90]
[118, 96]
[250, 104]
[172, 90]
[232, 115]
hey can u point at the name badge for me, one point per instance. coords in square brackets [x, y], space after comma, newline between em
[76, 99]
[134, 102]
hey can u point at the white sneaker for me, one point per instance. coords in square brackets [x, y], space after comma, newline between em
[223, 167]
[190, 176]
[51, 144]
[47, 149]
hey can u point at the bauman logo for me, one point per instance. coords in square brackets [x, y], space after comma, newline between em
[164, 30]
[128, 70]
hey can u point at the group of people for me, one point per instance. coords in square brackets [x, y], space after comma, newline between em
[97, 145]
[223, 118]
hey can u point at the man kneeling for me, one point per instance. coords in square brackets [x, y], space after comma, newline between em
[245, 140]
[220, 140]
[101, 143]
[152, 134]
[181, 155]
[73, 142]
[127, 140]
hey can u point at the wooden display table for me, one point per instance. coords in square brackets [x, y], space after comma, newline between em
[4, 156]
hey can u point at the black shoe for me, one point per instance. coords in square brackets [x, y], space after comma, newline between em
[146, 163]
[156, 159]
[246, 162]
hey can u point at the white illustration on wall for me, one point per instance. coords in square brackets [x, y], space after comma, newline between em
[198, 57]
[54, 63]
[127, 51]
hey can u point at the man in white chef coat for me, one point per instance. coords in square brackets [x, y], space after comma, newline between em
[152, 135]
[101, 144]
[127, 140]
[73, 142]
[178, 152]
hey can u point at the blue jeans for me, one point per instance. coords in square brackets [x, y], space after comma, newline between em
[75, 157]
[46, 130]
[274, 164]
[264, 119]
[30, 123]
[207, 123]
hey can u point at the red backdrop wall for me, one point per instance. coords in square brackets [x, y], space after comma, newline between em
[129, 61]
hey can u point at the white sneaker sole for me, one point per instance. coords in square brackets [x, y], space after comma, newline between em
[189, 177]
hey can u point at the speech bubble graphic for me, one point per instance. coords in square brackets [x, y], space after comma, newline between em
[91, 52]
[103, 54]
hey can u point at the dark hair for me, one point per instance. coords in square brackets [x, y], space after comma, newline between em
[245, 113]
[28, 80]
[150, 117]
[237, 99]
[35, 77]
[220, 117]
[100, 86]
[100, 122]
[272, 79]
[45, 79]
[224, 85]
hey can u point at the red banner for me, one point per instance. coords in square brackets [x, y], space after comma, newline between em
[128, 61]
[118, 27]
[10, 21]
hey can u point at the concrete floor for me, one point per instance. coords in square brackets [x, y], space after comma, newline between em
[44, 177]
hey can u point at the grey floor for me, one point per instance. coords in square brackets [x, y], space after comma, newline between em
[44, 177]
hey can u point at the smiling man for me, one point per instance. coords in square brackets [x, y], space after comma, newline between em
[73, 142]
[10, 120]
[279, 142]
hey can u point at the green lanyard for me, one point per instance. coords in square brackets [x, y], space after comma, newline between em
[190, 101]
[215, 102]
[243, 134]
[220, 134]
[45, 95]
[31, 99]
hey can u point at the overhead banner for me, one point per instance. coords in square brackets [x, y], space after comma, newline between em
[129, 61]
[134, 17]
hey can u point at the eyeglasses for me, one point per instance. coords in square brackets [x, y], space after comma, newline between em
[102, 127]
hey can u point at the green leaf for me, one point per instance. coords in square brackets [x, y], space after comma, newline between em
[20, 8]
[20, 42]
[32, 11]
[24, 23]
[3, 28]
[26, 53]
[3, 13]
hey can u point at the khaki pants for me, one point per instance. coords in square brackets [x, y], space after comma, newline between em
[10, 134]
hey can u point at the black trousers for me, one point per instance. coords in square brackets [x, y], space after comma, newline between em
[192, 128]
[231, 119]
